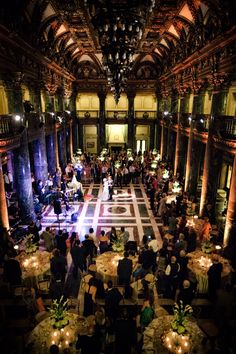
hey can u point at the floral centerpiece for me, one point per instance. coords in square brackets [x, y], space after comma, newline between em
[29, 245]
[177, 339]
[207, 247]
[118, 246]
[180, 317]
[58, 313]
[176, 187]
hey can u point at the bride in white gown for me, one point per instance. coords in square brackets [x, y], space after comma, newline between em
[105, 194]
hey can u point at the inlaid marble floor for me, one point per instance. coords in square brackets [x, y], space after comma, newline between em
[129, 208]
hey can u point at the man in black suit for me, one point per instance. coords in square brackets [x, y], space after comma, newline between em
[12, 270]
[124, 269]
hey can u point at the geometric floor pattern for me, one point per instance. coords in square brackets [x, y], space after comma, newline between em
[129, 208]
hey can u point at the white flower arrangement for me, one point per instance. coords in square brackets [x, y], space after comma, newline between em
[118, 246]
[58, 313]
[29, 246]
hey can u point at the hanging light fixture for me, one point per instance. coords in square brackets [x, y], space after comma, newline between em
[119, 26]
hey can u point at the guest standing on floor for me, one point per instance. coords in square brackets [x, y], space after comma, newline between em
[124, 272]
[214, 277]
[90, 291]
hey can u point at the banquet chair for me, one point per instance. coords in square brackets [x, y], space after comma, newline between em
[42, 315]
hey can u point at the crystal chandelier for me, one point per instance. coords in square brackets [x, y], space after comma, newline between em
[119, 26]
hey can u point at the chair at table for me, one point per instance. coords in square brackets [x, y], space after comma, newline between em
[40, 316]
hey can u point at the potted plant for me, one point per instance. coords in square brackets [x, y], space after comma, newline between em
[58, 313]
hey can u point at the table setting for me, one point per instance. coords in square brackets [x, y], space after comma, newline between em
[200, 262]
[45, 334]
[35, 264]
[107, 264]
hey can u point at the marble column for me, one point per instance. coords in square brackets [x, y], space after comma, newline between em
[23, 180]
[101, 143]
[180, 150]
[36, 90]
[191, 161]
[40, 157]
[162, 142]
[51, 153]
[75, 135]
[62, 149]
[71, 140]
[171, 152]
[230, 225]
[56, 146]
[152, 136]
[10, 165]
[207, 182]
[14, 93]
[131, 125]
[4, 221]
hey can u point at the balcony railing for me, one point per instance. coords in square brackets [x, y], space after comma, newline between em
[185, 119]
[145, 114]
[202, 123]
[10, 125]
[225, 127]
[85, 114]
[117, 114]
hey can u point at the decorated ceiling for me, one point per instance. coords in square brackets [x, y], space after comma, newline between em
[64, 32]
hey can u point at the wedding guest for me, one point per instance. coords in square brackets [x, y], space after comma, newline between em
[12, 270]
[124, 235]
[206, 230]
[103, 242]
[172, 274]
[186, 293]
[48, 238]
[191, 239]
[124, 269]
[125, 328]
[78, 258]
[60, 239]
[112, 299]
[90, 291]
[214, 277]
[58, 266]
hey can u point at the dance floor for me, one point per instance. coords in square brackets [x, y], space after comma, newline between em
[129, 208]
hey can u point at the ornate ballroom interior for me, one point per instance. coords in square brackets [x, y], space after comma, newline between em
[145, 75]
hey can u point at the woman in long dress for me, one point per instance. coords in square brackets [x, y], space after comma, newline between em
[105, 194]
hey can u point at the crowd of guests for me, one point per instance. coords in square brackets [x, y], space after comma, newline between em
[164, 266]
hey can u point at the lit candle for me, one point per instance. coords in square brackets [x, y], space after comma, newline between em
[66, 342]
[67, 333]
[55, 334]
[53, 341]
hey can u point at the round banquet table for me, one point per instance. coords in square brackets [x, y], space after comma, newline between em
[44, 335]
[107, 264]
[199, 263]
[34, 265]
[152, 336]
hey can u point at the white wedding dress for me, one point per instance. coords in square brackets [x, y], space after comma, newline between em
[105, 194]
